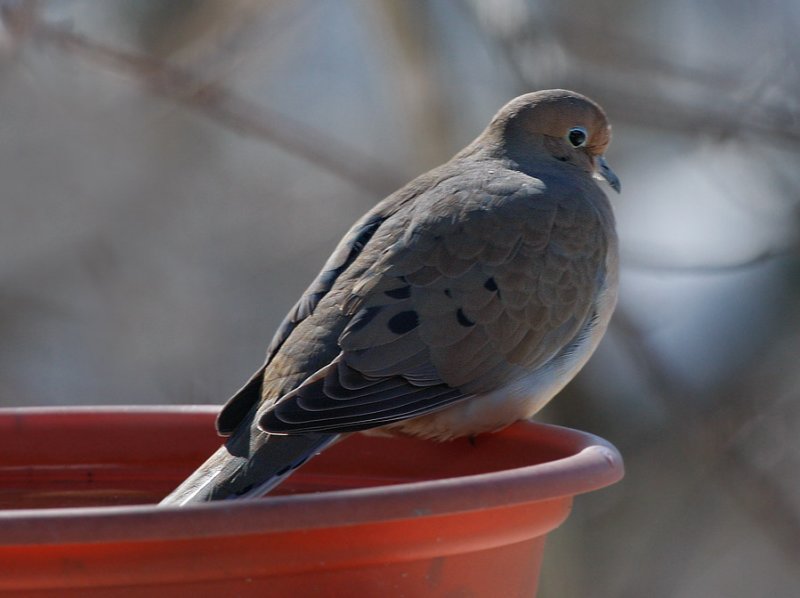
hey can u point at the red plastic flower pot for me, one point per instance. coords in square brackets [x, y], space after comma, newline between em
[371, 516]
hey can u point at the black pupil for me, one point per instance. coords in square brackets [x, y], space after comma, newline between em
[577, 137]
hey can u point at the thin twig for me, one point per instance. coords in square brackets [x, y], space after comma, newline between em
[218, 103]
[648, 105]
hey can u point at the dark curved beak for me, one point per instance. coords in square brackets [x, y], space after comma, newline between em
[604, 170]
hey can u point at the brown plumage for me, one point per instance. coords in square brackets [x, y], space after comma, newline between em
[459, 304]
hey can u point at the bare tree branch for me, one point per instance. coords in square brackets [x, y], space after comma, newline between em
[635, 90]
[214, 101]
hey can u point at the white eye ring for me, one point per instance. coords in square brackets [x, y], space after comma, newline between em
[577, 136]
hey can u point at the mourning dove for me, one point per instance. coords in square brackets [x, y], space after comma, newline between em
[458, 305]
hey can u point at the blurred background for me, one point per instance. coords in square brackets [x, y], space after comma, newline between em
[173, 174]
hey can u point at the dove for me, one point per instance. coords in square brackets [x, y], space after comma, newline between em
[458, 305]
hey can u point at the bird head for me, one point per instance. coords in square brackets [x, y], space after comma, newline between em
[563, 125]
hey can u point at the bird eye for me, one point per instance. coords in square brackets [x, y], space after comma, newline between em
[577, 136]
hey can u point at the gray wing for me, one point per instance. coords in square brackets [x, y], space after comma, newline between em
[345, 253]
[478, 289]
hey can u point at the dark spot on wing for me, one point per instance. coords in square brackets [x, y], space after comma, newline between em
[403, 322]
[401, 293]
[448, 292]
[463, 319]
[490, 284]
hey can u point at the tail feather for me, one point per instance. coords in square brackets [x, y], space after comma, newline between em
[248, 466]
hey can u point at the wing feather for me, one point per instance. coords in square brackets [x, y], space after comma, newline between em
[436, 320]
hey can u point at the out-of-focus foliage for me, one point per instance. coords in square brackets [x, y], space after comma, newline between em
[174, 173]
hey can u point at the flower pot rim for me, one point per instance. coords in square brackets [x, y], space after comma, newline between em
[592, 464]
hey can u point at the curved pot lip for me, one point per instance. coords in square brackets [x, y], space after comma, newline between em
[593, 464]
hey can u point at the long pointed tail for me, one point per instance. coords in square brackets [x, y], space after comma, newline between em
[248, 465]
